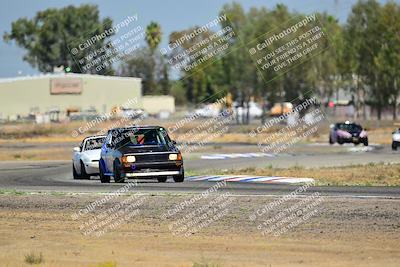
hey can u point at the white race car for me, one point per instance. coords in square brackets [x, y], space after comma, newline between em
[396, 139]
[85, 161]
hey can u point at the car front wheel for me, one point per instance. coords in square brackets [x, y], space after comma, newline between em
[74, 173]
[331, 140]
[180, 177]
[103, 178]
[394, 146]
[84, 175]
[117, 173]
[365, 142]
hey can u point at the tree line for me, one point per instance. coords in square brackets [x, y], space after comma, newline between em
[362, 55]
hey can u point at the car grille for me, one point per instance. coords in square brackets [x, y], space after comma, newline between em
[151, 158]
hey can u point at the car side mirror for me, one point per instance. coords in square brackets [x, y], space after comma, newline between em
[77, 149]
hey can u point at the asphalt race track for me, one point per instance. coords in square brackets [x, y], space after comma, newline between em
[56, 176]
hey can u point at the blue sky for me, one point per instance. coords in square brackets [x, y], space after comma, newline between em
[171, 14]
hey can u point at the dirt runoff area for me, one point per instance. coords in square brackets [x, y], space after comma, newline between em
[171, 230]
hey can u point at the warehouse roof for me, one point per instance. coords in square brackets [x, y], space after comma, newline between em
[64, 75]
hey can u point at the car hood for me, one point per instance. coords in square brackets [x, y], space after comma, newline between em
[343, 133]
[92, 154]
[353, 132]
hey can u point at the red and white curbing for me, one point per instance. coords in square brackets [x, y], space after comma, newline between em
[251, 179]
[236, 155]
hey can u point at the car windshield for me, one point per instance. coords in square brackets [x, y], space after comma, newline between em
[142, 137]
[349, 127]
[94, 143]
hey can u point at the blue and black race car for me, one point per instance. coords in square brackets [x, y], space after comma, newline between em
[140, 152]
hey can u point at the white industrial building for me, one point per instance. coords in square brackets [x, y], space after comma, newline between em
[63, 93]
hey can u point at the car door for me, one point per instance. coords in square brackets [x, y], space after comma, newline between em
[108, 151]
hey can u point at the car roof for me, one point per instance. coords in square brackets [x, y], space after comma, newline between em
[136, 127]
[94, 136]
[349, 123]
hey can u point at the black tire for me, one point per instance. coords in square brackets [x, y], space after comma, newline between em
[84, 175]
[340, 141]
[394, 146]
[103, 178]
[74, 173]
[330, 140]
[180, 177]
[117, 173]
[365, 142]
[162, 179]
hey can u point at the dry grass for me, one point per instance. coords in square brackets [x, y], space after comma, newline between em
[30, 130]
[345, 234]
[379, 132]
[205, 264]
[105, 264]
[36, 154]
[49, 133]
[33, 258]
[373, 174]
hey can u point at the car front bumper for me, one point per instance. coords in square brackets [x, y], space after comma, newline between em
[151, 173]
[352, 139]
[152, 169]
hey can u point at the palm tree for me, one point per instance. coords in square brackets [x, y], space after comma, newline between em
[153, 35]
[153, 39]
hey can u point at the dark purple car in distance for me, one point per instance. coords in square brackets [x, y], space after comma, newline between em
[347, 132]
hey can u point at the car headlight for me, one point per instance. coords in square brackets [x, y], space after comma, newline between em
[173, 156]
[128, 159]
